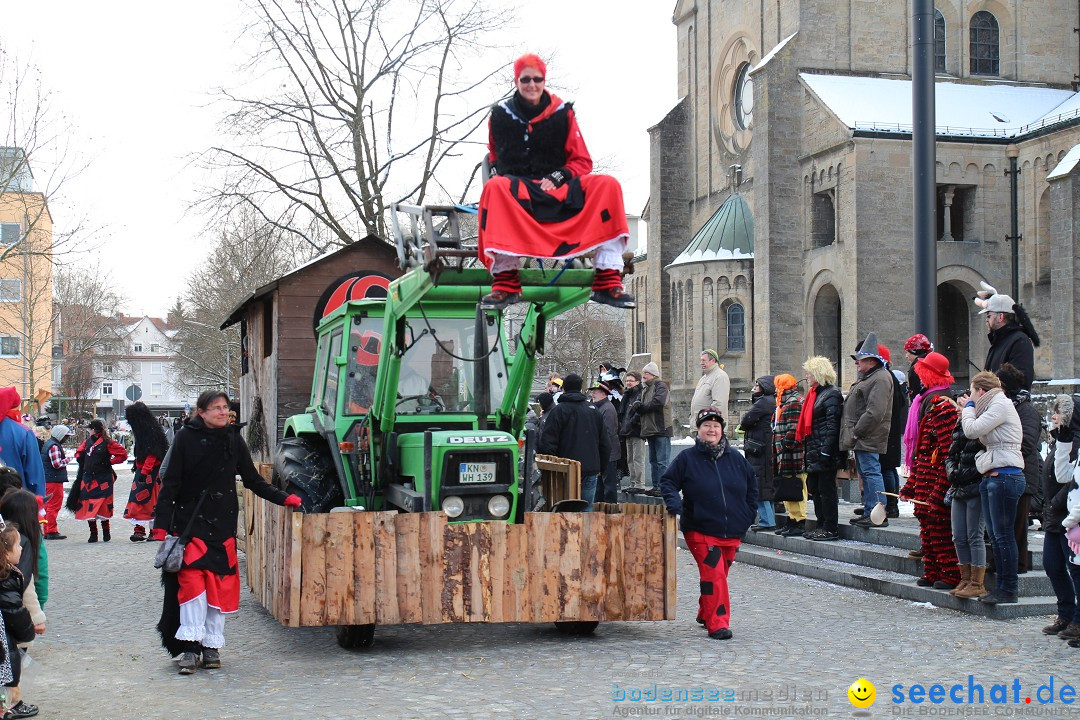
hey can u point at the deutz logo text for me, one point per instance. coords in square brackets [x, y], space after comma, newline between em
[477, 440]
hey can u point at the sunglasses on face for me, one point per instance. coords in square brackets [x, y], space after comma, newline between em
[525, 80]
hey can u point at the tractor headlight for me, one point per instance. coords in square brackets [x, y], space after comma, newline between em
[453, 506]
[499, 506]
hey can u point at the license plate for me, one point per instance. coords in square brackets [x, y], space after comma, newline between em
[476, 473]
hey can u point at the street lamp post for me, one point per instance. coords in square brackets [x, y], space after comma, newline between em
[1013, 152]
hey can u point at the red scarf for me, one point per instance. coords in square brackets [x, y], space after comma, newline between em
[806, 415]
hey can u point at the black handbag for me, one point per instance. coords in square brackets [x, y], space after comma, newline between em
[170, 556]
[789, 488]
[753, 447]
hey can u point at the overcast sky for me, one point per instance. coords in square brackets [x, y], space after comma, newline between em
[137, 77]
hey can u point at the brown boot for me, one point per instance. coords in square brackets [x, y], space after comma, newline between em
[975, 588]
[965, 579]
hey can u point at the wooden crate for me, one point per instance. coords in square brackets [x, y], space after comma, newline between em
[560, 479]
[386, 568]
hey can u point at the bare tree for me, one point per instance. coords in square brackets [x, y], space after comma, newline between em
[36, 163]
[579, 340]
[373, 97]
[247, 255]
[89, 329]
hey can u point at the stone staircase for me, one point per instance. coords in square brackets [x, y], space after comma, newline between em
[876, 560]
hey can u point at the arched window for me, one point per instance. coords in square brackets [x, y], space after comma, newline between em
[939, 42]
[736, 328]
[984, 44]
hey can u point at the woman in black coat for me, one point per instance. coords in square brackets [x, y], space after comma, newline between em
[825, 406]
[757, 445]
[1064, 575]
[199, 485]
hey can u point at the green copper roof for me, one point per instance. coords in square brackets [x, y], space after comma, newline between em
[727, 235]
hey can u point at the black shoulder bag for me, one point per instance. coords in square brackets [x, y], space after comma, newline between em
[171, 553]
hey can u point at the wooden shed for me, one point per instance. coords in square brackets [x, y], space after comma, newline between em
[277, 331]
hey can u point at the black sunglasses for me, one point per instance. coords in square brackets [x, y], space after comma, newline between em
[525, 80]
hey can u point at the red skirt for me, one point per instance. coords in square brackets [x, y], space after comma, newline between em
[143, 497]
[95, 499]
[507, 227]
[222, 590]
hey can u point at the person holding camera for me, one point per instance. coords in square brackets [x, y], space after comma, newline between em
[990, 416]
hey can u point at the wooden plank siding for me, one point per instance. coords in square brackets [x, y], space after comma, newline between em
[386, 568]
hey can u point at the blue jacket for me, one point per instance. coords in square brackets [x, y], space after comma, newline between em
[719, 497]
[19, 450]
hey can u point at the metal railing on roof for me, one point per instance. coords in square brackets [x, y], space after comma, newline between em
[953, 130]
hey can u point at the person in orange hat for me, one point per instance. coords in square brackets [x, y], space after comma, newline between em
[543, 200]
[929, 480]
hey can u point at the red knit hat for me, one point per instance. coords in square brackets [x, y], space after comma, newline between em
[918, 343]
[884, 353]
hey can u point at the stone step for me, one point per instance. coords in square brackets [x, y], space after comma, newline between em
[870, 555]
[902, 532]
[885, 582]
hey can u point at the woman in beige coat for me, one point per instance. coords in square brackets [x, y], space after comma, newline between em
[989, 416]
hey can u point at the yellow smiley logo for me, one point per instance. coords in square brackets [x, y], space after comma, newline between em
[862, 693]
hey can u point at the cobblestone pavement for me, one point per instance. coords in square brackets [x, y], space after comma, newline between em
[101, 659]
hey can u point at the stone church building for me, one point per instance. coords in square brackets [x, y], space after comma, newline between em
[780, 212]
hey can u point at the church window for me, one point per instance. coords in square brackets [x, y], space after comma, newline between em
[744, 98]
[736, 328]
[939, 42]
[955, 211]
[984, 44]
[822, 219]
[640, 337]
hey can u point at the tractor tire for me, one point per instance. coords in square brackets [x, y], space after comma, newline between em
[577, 627]
[355, 637]
[303, 467]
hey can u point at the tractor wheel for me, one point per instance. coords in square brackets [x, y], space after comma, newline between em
[303, 466]
[578, 627]
[354, 637]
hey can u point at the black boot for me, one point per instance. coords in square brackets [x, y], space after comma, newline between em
[93, 531]
[795, 529]
[106, 535]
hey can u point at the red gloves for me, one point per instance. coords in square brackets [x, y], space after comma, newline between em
[157, 534]
[292, 501]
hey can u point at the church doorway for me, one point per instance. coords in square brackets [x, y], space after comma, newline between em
[826, 328]
[954, 331]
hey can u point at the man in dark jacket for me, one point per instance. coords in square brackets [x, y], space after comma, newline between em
[866, 421]
[1012, 337]
[713, 488]
[892, 457]
[574, 430]
[608, 486]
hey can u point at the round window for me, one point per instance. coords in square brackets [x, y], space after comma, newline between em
[744, 98]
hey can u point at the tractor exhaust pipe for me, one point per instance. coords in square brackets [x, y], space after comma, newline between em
[481, 382]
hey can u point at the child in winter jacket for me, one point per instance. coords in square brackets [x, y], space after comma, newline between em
[18, 626]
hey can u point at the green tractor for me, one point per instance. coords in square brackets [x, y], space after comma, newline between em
[419, 400]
